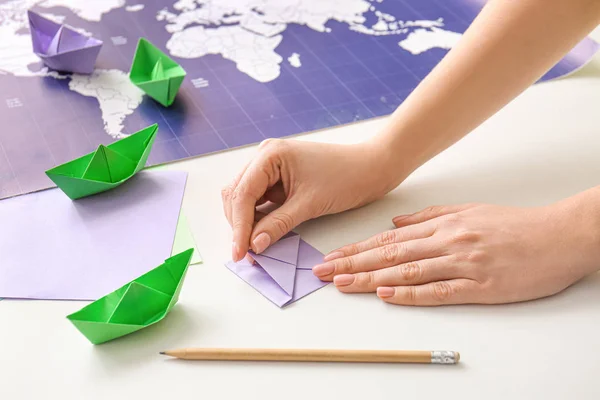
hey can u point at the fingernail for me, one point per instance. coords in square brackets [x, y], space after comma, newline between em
[385, 292]
[261, 242]
[333, 256]
[235, 251]
[323, 269]
[343, 280]
[399, 218]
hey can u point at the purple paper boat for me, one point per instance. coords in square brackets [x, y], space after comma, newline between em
[283, 272]
[61, 47]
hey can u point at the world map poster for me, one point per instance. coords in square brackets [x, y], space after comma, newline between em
[256, 69]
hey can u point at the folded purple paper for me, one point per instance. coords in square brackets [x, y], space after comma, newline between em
[54, 248]
[61, 47]
[283, 272]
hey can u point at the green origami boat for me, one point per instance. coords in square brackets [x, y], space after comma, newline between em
[107, 167]
[156, 73]
[137, 305]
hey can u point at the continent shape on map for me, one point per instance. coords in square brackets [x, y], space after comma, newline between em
[253, 54]
[245, 32]
[422, 40]
[135, 8]
[294, 60]
[249, 32]
[117, 97]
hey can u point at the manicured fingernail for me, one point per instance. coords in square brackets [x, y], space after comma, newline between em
[261, 242]
[333, 256]
[323, 269]
[385, 292]
[235, 251]
[343, 280]
[399, 218]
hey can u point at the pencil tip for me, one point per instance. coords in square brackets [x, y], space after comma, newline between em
[162, 352]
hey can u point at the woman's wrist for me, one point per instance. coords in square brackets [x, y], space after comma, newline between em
[390, 165]
[580, 217]
[398, 153]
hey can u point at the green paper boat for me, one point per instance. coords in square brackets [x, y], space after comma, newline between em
[107, 167]
[137, 305]
[156, 73]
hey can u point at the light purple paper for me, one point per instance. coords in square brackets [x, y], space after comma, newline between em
[54, 248]
[283, 274]
[61, 47]
[268, 272]
[285, 250]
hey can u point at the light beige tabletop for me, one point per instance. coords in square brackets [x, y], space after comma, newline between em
[541, 148]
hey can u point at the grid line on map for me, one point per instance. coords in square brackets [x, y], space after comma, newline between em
[326, 67]
[449, 10]
[8, 160]
[378, 79]
[40, 132]
[314, 97]
[11, 168]
[237, 104]
[203, 116]
[253, 121]
[207, 118]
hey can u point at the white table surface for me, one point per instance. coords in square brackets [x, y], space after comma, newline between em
[541, 148]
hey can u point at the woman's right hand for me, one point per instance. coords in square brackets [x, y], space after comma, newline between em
[308, 180]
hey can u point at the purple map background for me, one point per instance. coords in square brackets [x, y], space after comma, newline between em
[345, 77]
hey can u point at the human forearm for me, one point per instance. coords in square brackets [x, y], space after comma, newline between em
[579, 220]
[508, 47]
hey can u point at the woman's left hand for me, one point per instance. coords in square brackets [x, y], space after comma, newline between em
[469, 254]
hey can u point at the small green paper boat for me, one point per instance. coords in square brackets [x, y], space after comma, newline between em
[107, 167]
[137, 305]
[156, 73]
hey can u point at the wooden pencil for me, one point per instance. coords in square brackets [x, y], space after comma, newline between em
[308, 355]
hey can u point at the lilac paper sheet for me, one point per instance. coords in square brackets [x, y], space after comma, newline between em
[268, 280]
[54, 248]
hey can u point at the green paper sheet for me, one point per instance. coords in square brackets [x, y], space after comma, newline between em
[107, 167]
[136, 305]
[156, 73]
[184, 239]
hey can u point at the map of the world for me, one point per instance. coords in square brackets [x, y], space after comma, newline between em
[255, 69]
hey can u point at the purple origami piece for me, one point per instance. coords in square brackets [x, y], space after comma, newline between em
[61, 47]
[283, 272]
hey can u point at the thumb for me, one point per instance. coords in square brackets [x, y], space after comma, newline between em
[277, 224]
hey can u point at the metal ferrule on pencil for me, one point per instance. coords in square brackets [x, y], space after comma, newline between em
[444, 357]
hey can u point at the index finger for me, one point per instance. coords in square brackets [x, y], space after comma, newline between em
[453, 291]
[227, 192]
[405, 234]
[251, 187]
